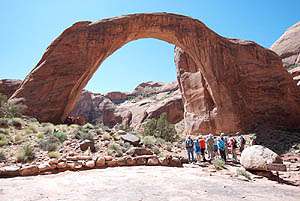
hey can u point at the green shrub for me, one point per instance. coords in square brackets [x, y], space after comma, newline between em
[18, 138]
[50, 143]
[84, 135]
[4, 122]
[88, 126]
[160, 128]
[40, 136]
[243, 173]
[17, 122]
[115, 148]
[219, 164]
[26, 153]
[54, 154]
[106, 136]
[155, 150]
[149, 141]
[60, 135]
[3, 140]
[4, 131]
[160, 141]
[2, 156]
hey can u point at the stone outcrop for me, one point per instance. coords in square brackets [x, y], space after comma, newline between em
[242, 83]
[9, 86]
[288, 46]
[117, 97]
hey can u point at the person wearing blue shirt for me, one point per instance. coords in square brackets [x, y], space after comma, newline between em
[221, 148]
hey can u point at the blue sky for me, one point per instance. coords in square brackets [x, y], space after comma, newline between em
[29, 26]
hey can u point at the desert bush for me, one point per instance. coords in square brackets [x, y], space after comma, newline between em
[40, 136]
[4, 131]
[169, 146]
[60, 135]
[50, 143]
[115, 148]
[26, 153]
[160, 142]
[54, 154]
[149, 141]
[106, 136]
[160, 128]
[155, 150]
[3, 140]
[11, 108]
[219, 164]
[84, 135]
[244, 173]
[88, 126]
[2, 156]
[4, 122]
[18, 139]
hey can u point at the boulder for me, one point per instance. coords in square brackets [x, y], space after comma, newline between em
[85, 144]
[139, 151]
[100, 162]
[131, 138]
[90, 164]
[10, 171]
[29, 170]
[258, 157]
[153, 161]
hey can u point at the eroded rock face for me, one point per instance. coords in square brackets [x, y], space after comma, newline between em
[245, 82]
[117, 97]
[9, 86]
[288, 46]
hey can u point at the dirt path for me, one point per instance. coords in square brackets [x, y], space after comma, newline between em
[142, 184]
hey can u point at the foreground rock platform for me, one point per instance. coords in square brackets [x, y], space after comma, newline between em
[227, 84]
[142, 183]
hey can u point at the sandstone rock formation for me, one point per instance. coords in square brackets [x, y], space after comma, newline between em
[288, 46]
[143, 104]
[117, 97]
[9, 86]
[242, 83]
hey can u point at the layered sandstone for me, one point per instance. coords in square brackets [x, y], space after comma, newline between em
[242, 83]
[9, 86]
[288, 46]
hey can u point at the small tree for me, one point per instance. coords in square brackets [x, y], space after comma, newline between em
[160, 128]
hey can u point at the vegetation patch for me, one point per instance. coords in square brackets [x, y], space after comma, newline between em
[25, 154]
[160, 128]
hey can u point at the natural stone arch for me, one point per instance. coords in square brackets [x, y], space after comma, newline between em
[220, 70]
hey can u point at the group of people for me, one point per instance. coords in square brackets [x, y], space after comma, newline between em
[212, 146]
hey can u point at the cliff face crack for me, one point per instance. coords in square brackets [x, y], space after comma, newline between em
[209, 71]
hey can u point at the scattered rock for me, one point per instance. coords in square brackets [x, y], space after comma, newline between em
[100, 162]
[153, 161]
[10, 171]
[90, 164]
[131, 138]
[85, 144]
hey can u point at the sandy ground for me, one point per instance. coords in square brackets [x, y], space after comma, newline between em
[143, 184]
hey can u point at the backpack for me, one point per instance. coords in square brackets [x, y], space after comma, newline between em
[221, 145]
[243, 141]
[189, 143]
[233, 143]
